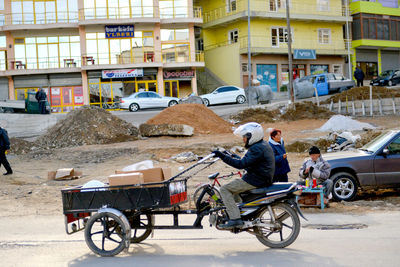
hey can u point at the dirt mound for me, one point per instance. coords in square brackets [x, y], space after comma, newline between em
[367, 137]
[201, 118]
[20, 146]
[298, 147]
[360, 93]
[306, 110]
[88, 126]
[259, 115]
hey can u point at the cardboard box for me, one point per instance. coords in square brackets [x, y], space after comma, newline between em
[64, 174]
[154, 175]
[125, 179]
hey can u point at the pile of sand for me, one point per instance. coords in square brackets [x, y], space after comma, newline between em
[362, 93]
[201, 118]
[339, 123]
[88, 126]
[305, 110]
[259, 115]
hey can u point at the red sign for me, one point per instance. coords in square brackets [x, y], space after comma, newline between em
[178, 74]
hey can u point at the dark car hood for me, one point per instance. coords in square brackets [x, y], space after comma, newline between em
[381, 78]
[345, 154]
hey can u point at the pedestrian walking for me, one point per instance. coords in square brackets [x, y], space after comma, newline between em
[281, 162]
[359, 75]
[4, 147]
[41, 97]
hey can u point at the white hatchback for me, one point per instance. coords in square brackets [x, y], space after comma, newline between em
[224, 95]
[143, 100]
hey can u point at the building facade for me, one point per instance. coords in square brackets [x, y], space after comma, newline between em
[376, 36]
[97, 51]
[318, 39]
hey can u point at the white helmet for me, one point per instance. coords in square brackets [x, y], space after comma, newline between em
[252, 131]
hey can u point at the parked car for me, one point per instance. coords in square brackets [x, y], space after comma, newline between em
[224, 95]
[389, 78]
[375, 165]
[325, 83]
[143, 100]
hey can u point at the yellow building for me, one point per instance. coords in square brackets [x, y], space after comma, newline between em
[317, 28]
[97, 51]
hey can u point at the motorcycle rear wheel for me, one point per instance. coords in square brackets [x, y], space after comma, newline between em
[286, 230]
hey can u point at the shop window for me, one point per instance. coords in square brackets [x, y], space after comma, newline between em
[318, 69]
[324, 36]
[233, 36]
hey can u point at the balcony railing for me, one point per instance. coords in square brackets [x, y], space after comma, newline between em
[43, 63]
[262, 43]
[262, 6]
[118, 12]
[42, 18]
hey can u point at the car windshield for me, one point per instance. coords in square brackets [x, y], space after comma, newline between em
[378, 142]
[386, 73]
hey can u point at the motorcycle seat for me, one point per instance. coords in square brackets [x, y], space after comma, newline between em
[273, 188]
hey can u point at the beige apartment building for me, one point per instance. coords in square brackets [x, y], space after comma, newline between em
[96, 51]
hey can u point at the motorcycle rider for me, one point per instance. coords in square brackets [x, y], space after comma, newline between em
[259, 162]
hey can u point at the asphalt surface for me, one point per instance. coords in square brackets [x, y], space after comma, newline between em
[42, 241]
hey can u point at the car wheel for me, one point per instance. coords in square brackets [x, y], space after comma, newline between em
[172, 103]
[390, 83]
[240, 99]
[344, 186]
[133, 107]
[206, 102]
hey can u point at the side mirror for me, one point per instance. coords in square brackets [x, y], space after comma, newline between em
[385, 152]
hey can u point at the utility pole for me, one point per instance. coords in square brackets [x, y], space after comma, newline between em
[348, 39]
[249, 69]
[290, 84]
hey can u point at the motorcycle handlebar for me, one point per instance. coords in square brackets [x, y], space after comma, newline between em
[207, 158]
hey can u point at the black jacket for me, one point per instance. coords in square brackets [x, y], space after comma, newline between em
[4, 141]
[359, 74]
[259, 162]
[40, 96]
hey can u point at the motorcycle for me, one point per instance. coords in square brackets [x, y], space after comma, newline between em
[270, 213]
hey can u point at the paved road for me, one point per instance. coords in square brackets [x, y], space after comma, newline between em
[41, 241]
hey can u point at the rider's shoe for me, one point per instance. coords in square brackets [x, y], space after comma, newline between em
[232, 224]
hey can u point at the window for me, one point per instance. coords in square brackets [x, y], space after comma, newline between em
[117, 9]
[230, 5]
[174, 34]
[394, 147]
[173, 8]
[337, 69]
[323, 5]
[233, 36]
[279, 35]
[324, 36]
[274, 5]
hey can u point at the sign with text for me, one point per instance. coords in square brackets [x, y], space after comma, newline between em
[304, 54]
[120, 31]
[114, 74]
[178, 74]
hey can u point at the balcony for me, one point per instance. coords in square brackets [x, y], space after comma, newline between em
[334, 12]
[28, 21]
[264, 45]
[375, 8]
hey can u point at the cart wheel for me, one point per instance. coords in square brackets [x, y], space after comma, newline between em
[145, 222]
[105, 234]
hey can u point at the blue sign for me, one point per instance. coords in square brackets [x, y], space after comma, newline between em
[120, 31]
[267, 75]
[304, 54]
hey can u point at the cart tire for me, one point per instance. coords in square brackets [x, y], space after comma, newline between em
[137, 235]
[105, 234]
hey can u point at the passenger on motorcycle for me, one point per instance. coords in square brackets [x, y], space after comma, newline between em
[259, 163]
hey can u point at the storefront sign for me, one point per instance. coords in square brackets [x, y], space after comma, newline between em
[113, 74]
[304, 54]
[119, 31]
[178, 74]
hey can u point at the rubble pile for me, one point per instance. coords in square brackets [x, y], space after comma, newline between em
[88, 126]
[201, 118]
[259, 115]
[362, 93]
[344, 123]
[305, 110]
[20, 146]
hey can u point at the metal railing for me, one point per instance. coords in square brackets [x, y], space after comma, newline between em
[297, 7]
[41, 18]
[263, 42]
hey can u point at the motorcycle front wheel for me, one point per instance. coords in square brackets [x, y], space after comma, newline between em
[286, 226]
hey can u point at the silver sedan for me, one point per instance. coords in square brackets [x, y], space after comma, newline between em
[143, 100]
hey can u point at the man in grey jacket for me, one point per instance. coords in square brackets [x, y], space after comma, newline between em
[317, 167]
